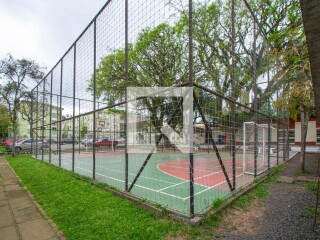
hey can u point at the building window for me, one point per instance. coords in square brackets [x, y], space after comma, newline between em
[54, 128]
[292, 136]
[318, 135]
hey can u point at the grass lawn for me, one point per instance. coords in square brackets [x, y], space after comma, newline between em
[83, 211]
[2, 149]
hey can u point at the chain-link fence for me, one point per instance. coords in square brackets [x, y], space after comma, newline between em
[219, 49]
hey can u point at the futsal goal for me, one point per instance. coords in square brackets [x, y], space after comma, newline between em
[252, 147]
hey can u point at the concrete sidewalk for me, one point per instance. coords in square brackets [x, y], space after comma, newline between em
[20, 216]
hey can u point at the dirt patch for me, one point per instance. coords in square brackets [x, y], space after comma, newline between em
[286, 213]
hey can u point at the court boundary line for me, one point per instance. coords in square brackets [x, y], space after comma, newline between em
[116, 179]
[154, 190]
[114, 170]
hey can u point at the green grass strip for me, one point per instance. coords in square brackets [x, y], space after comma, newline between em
[83, 211]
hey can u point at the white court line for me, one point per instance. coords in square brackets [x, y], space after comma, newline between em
[208, 188]
[185, 181]
[160, 190]
[177, 184]
[153, 190]
[118, 171]
[186, 168]
[154, 179]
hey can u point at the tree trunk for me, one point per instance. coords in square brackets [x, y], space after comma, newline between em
[31, 132]
[14, 131]
[310, 13]
[304, 129]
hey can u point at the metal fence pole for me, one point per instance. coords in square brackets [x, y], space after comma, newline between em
[191, 85]
[58, 126]
[50, 116]
[126, 79]
[255, 103]
[74, 102]
[43, 104]
[278, 125]
[79, 130]
[233, 112]
[31, 122]
[269, 113]
[60, 112]
[37, 120]
[94, 97]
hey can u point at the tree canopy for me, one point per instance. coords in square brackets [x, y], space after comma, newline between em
[4, 121]
[18, 76]
[159, 55]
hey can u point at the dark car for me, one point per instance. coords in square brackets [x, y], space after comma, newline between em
[69, 141]
[52, 140]
[105, 142]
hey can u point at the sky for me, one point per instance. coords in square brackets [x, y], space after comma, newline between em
[43, 30]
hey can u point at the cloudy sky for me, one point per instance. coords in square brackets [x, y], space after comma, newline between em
[43, 29]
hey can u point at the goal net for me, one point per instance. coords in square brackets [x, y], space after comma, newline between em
[250, 146]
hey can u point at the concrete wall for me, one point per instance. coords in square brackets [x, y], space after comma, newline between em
[313, 127]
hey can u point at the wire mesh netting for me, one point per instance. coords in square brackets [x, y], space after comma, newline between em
[156, 146]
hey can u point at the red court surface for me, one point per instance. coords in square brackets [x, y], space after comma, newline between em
[207, 172]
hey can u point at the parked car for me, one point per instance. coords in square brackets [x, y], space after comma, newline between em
[105, 142]
[27, 144]
[52, 140]
[87, 141]
[120, 140]
[69, 141]
[9, 141]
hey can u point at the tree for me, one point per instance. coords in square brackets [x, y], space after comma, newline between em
[213, 40]
[33, 110]
[18, 75]
[298, 92]
[157, 59]
[4, 121]
[311, 12]
[83, 131]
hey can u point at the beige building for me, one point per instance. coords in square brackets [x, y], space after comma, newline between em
[108, 124]
[313, 134]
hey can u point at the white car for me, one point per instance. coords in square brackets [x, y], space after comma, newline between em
[28, 144]
[87, 141]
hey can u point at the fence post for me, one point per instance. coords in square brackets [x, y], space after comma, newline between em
[37, 120]
[60, 112]
[42, 132]
[191, 85]
[94, 97]
[74, 102]
[31, 122]
[126, 79]
[233, 113]
[50, 116]
[269, 113]
[255, 99]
